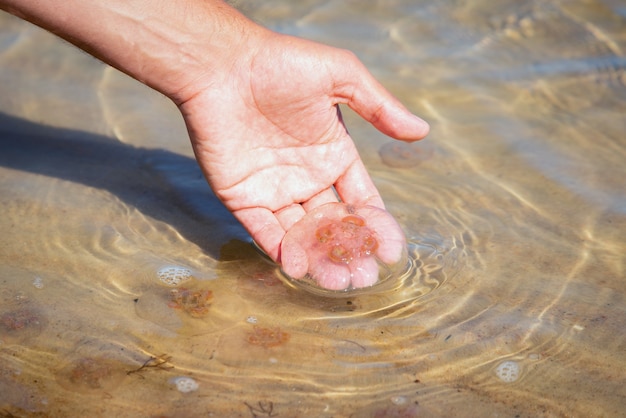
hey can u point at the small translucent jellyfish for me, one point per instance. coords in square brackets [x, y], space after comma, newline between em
[19, 319]
[91, 373]
[194, 302]
[173, 275]
[267, 337]
[342, 247]
[20, 325]
[400, 154]
[185, 384]
[508, 371]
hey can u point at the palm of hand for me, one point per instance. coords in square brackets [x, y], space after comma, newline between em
[272, 143]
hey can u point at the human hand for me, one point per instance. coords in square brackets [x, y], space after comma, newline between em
[338, 246]
[261, 108]
[270, 139]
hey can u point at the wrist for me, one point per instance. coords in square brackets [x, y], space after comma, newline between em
[201, 51]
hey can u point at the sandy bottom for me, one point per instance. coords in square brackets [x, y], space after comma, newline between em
[127, 290]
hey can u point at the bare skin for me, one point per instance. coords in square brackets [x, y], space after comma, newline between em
[339, 247]
[261, 108]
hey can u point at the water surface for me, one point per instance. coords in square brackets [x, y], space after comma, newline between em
[515, 208]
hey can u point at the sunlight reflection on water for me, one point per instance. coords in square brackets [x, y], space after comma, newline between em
[514, 213]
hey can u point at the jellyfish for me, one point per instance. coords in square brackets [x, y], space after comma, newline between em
[341, 247]
[399, 154]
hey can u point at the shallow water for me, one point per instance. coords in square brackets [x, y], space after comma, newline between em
[515, 209]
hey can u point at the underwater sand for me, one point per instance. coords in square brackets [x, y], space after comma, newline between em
[514, 304]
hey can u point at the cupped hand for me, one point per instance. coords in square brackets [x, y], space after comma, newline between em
[269, 136]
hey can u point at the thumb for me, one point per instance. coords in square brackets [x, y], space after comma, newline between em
[367, 97]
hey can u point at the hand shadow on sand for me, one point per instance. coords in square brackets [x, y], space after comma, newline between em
[159, 183]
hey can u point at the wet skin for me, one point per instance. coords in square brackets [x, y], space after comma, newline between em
[340, 246]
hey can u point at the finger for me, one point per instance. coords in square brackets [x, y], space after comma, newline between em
[355, 187]
[293, 213]
[327, 196]
[289, 215]
[356, 87]
[264, 228]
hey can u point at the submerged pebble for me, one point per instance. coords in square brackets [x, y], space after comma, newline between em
[173, 275]
[38, 282]
[185, 384]
[508, 371]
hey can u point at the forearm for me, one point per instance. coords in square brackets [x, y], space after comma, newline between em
[166, 44]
